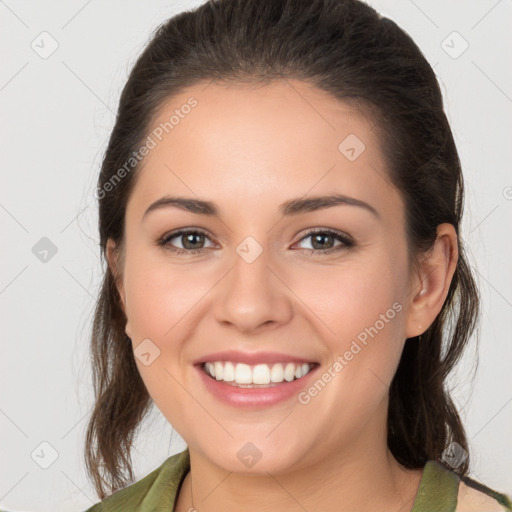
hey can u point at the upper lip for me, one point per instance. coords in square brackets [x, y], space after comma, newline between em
[251, 358]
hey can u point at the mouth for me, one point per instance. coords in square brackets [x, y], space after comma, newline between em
[261, 375]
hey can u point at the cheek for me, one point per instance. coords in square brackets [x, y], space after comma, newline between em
[362, 308]
[350, 298]
[359, 311]
[159, 297]
[159, 305]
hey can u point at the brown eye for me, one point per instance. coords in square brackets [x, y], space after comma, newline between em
[324, 241]
[191, 241]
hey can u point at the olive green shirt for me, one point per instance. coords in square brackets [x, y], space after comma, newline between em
[157, 491]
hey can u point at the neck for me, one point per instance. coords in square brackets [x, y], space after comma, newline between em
[362, 475]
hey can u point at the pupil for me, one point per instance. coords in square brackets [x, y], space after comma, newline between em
[316, 238]
[190, 237]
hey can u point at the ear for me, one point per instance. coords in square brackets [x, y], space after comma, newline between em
[114, 263]
[431, 286]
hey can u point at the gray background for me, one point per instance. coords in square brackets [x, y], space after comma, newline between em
[57, 113]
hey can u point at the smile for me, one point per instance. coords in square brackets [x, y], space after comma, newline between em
[259, 375]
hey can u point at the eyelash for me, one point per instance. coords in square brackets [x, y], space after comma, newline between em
[346, 241]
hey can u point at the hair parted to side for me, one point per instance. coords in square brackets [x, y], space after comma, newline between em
[343, 47]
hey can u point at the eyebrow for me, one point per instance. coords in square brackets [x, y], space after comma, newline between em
[289, 208]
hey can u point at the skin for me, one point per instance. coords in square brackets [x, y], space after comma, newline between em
[249, 149]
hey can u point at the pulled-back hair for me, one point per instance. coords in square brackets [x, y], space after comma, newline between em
[343, 47]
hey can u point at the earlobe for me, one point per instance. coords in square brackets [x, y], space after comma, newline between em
[112, 255]
[436, 271]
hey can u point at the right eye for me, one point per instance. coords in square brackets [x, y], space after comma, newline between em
[190, 240]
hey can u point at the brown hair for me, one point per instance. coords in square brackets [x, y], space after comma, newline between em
[343, 47]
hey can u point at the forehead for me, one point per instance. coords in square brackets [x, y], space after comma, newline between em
[239, 142]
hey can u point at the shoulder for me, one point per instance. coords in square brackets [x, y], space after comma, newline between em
[441, 488]
[476, 497]
[145, 494]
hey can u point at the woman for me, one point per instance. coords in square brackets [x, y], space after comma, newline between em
[279, 207]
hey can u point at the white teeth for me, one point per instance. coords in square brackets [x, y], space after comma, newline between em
[229, 372]
[243, 373]
[277, 373]
[210, 369]
[289, 372]
[219, 370]
[261, 374]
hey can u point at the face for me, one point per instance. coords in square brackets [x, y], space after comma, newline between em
[265, 277]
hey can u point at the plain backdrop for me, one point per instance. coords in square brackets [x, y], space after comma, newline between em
[63, 66]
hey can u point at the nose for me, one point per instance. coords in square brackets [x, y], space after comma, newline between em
[253, 296]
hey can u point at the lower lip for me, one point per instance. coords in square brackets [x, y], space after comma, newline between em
[254, 397]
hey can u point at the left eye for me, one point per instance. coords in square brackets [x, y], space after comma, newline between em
[322, 239]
